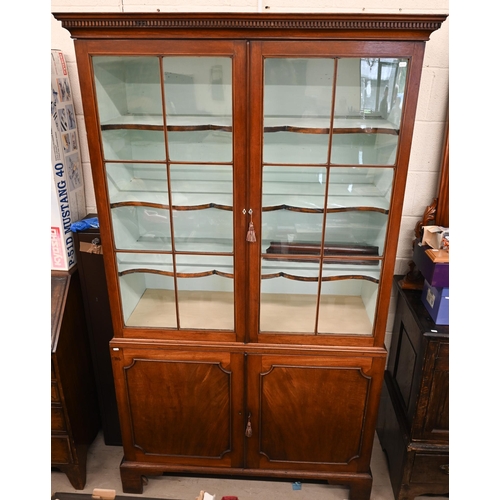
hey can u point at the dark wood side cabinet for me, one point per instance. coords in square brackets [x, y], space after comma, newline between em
[413, 416]
[100, 328]
[74, 409]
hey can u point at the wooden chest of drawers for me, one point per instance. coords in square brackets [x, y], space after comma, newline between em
[74, 411]
[413, 417]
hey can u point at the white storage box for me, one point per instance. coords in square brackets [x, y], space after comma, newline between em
[68, 195]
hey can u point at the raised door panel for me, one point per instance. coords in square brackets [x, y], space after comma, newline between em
[312, 412]
[432, 418]
[177, 407]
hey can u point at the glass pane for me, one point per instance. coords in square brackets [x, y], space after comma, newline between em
[206, 292]
[347, 306]
[194, 185]
[147, 290]
[357, 230]
[138, 145]
[363, 148]
[360, 187]
[198, 94]
[202, 200]
[128, 93]
[129, 182]
[289, 293]
[288, 193]
[283, 230]
[368, 100]
[208, 230]
[141, 228]
[128, 90]
[297, 108]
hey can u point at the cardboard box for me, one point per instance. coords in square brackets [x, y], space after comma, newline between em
[435, 272]
[437, 302]
[435, 236]
[67, 193]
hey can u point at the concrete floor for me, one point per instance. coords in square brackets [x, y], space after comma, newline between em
[103, 472]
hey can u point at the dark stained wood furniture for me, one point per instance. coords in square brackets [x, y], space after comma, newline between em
[100, 328]
[413, 423]
[74, 408]
[227, 359]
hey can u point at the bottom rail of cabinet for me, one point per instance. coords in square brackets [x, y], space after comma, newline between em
[132, 474]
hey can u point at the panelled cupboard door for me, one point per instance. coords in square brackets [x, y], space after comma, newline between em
[180, 407]
[432, 413]
[167, 129]
[310, 413]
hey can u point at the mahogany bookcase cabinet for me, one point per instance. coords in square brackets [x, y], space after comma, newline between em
[249, 173]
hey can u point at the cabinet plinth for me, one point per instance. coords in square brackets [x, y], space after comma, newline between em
[249, 173]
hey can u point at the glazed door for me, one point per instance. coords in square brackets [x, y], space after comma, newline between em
[171, 126]
[311, 412]
[180, 407]
[326, 138]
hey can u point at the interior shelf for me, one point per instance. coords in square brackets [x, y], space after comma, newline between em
[279, 312]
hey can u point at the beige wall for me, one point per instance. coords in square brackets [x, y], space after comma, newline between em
[432, 108]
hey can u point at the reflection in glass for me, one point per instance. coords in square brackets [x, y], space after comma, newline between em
[297, 99]
[360, 187]
[141, 228]
[363, 148]
[199, 108]
[368, 100]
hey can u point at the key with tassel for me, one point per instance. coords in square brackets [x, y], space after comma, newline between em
[251, 230]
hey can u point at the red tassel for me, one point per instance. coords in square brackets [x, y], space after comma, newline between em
[251, 233]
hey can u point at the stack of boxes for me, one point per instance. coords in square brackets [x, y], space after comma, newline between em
[68, 196]
[431, 257]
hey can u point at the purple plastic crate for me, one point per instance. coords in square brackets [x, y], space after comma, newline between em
[435, 273]
[437, 302]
